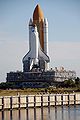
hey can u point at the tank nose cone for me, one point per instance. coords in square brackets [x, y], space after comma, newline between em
[38, 14]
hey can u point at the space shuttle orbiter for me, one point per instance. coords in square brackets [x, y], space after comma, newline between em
[38, 42]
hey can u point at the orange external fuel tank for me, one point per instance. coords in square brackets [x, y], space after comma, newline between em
[38, 19]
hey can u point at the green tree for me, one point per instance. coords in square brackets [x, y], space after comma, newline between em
[77, 82]
[69, 83]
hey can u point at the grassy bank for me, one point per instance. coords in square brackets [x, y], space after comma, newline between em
[36, 91]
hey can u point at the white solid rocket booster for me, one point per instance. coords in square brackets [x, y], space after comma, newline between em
[30, 26]
[45, 36]
[45, 25]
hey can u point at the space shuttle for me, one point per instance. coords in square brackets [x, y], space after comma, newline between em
[37, 57]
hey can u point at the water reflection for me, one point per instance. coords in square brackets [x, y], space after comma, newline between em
[41, 113]
[47, 113]
[55, 113]
[34, 113]
[27, 118]
[10, 114]
[62, 113]
[2, 115]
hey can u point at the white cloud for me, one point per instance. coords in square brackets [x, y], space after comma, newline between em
[61, 53]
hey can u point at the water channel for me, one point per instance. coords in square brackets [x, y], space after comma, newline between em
[52, 113]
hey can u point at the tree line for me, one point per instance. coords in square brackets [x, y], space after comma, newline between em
[66, 84]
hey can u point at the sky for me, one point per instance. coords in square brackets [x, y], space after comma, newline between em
[64, 33]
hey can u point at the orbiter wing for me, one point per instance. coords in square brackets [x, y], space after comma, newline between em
[27, 56]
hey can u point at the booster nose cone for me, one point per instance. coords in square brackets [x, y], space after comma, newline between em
[38, 14]
[30, 22]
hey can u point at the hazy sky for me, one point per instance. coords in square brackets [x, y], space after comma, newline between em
[64, 33]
